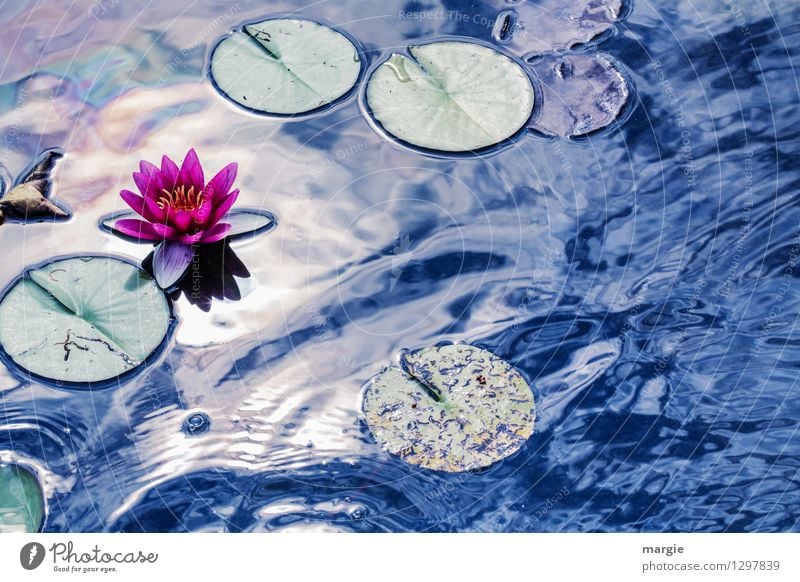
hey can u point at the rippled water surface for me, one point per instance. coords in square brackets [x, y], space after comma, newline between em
[643, 278]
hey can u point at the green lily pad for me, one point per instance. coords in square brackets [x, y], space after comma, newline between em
[245, 223]
[83, 320]
[21, 501]
[285, 66]
[453, 408]
[451, 96]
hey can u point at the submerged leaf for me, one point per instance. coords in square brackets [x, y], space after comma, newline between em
[285, 66]
[550, 25]
[452, 96]
[83, 320]
[21, 501]
[454, 408]
[581, 93]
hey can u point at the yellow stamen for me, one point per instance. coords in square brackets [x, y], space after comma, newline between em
[181, 199]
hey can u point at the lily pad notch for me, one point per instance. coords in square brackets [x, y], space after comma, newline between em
[83, 322]
[451, 96]
[450, 408]
[286, 67]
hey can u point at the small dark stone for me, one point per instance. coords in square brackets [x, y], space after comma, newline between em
[196, 424]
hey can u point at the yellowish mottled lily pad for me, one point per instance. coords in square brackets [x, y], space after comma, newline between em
[450, 408]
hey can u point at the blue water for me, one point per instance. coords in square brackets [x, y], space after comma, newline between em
[644, 278]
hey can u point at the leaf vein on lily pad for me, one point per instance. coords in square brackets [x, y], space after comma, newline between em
[252, 33]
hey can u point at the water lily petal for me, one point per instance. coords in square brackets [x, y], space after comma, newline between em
[179, 219]
[170, 261]
[201, 215]
[220, 184]
[166, 231]
[148, 169]
[223, 207]
[148, 184]
[191, 172]
[143, 182]
[190, 239]
[145, 230]
[143, 206]
[169, 173]
[158, 213]
[135, 201]
[216, 232]
[138, 229]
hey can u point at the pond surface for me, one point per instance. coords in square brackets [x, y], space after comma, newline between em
[643, 278]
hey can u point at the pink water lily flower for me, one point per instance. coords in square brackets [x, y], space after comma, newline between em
[179, 209]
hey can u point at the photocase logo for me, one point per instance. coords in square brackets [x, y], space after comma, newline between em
[402, 255]
[32, 555]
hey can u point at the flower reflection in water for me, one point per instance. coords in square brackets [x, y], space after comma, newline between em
[212, 274]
